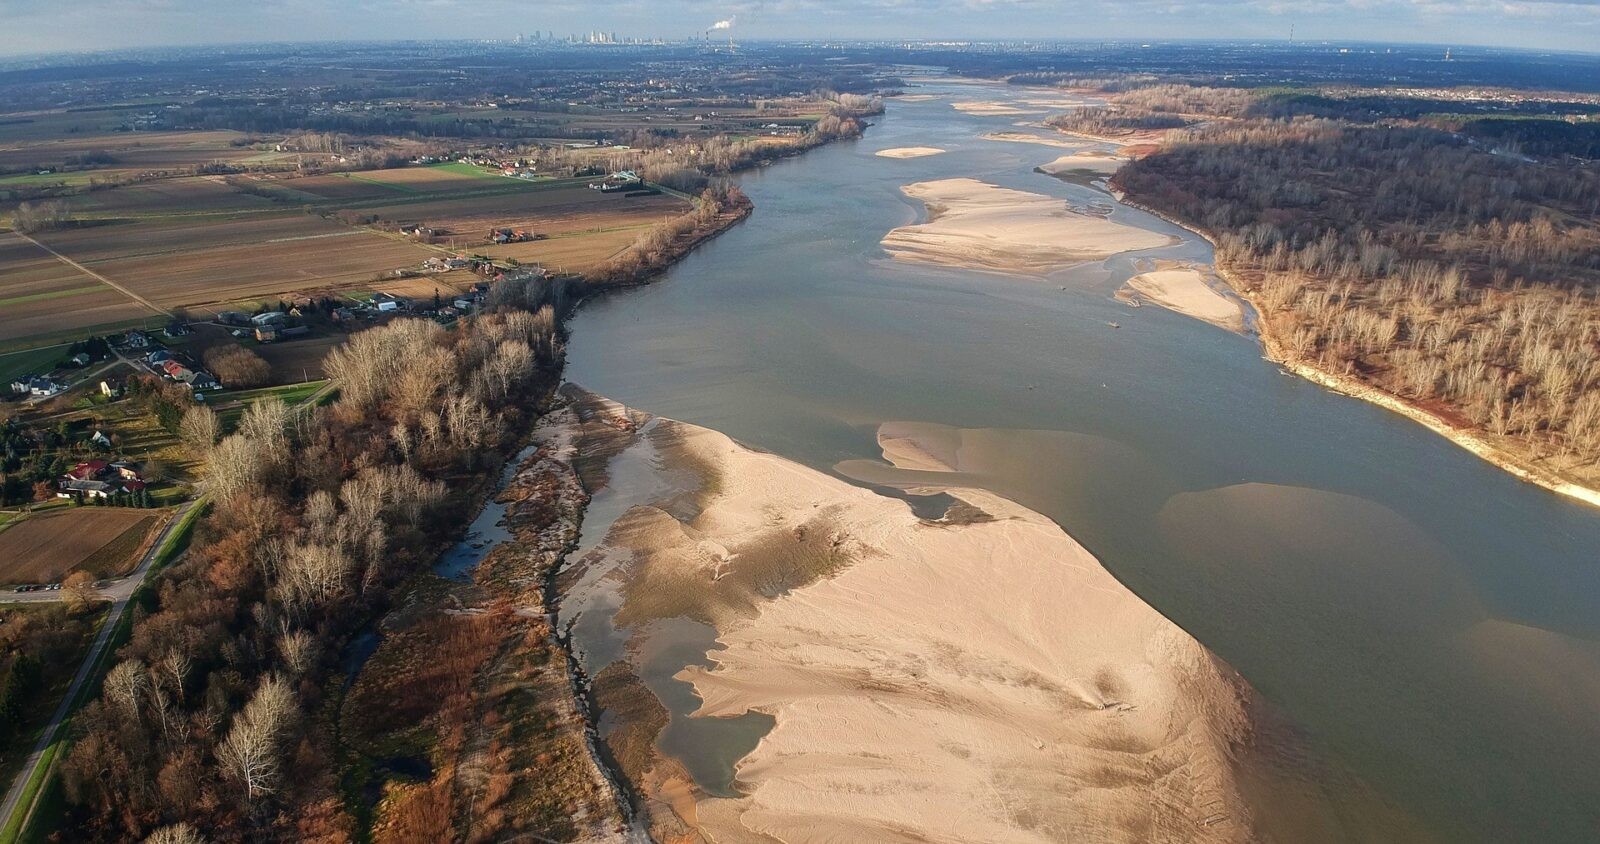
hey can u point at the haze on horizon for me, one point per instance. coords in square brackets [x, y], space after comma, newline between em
[45, 26]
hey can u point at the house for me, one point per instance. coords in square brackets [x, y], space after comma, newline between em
[100, 439]
[111, 387]
[342, 315]
[100, 479]
[233, 318]
[38, 385]
[136, 340]
[204, 381]
[159, 357]
[269, 318]
[266, 334]
[81, 359]
[177, 329]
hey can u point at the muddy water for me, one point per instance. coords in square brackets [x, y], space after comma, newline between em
[1424, 625]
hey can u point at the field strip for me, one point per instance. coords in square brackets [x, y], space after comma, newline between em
[98, 277]
[53, 294]
[382, 184]
[299, 237]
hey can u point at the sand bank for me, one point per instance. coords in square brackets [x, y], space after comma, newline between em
[980, 226]
[1030, 138]
[1085, 162]
[993, 108]
[985, 680]
[909, 152]
[1185, 290]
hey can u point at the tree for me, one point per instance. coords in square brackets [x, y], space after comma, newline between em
[200, 429]
[237, 366]
[78, 588]
[178, 833]
[252, 751]
[236, 465]
[126, 684]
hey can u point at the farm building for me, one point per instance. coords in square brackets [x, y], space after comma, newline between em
[100, 479]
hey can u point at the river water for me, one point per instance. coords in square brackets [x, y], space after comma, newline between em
[1417, 617]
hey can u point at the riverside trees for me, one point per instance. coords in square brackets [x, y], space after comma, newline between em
[213, 720]
[1411, 259]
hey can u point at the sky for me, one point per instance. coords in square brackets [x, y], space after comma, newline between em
[38, 26]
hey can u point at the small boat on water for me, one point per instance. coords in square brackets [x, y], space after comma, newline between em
[1114, 324]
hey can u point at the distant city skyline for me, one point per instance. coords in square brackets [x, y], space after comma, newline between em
[46, 26]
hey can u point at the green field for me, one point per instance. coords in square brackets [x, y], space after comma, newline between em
[14, 365]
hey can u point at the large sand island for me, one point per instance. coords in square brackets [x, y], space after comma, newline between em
[980, 226]
[977, 677]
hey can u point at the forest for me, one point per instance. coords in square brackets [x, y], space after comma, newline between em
[1412, 259]
[213, 720]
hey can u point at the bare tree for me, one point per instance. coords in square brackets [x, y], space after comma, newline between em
[236, 465]
[126, 684]
[199, 429]
[178, 833]
[252, 751]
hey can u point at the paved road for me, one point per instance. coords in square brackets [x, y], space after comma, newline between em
[119, 591]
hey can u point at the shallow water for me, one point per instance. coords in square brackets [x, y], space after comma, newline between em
[1423, 619]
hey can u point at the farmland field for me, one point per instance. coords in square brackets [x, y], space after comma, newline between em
[102, 540]
[201, 243]
[548, 210]
[571, 252]
[40, 294]
[180, 196]
[179, 262]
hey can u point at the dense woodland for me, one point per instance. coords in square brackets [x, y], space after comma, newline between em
[1412, 258]
[214, 715]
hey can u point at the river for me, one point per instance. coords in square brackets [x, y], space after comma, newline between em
[1416, 616]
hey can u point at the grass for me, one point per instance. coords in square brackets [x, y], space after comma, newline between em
[14, 365]
[43, 816]
[291, 394]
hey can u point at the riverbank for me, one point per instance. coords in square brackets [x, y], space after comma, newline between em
[1474, 441]
[899, 692]
[976, 225]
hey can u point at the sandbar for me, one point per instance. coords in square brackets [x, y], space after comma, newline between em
[1085, 162]
[1030, 138]
[1185, 291]
[981, 680]
[980, 226]
[993, 108]
[909, 152]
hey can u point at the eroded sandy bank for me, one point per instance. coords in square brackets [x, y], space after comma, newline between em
[980, 226]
